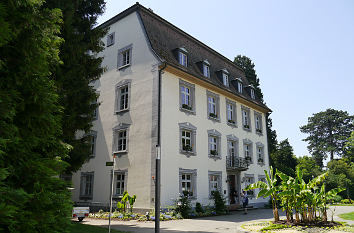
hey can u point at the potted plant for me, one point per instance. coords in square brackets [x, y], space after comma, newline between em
[260, 160]
[246, 126]
[187, 148]
[213, 152]
[258, 130]
[231, 121]
[213, 115]
[186, 106]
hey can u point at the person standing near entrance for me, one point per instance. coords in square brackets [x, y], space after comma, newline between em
[244, 201]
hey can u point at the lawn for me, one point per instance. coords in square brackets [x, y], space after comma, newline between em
[347, 216]
[82, 228]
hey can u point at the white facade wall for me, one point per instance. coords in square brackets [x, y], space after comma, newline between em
[142, 72]
[172, 159]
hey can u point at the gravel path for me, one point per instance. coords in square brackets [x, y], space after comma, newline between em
[226, 223]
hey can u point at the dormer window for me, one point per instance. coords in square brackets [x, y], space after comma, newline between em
[253, 96]
[239, 85]
[182, 57]
[225, 78]
[206, 68]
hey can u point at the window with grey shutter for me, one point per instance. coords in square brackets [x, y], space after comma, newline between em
[123, 97]
[120, 139]
[258, 122]
[110, 39]
[213, 103]
[120, 182]
[125, 56]
[86, 185]
[214, 144]
[187, 138]
[215, 181]
[246, 120]
[92, 137]
[248, 150]
[188, 182]
[231, 113]
[187, 97]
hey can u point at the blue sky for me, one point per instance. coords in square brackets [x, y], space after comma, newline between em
[303, 50]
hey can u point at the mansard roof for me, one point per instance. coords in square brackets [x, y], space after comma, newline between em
[165, 38]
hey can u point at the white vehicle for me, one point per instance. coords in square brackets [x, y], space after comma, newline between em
[80, 212]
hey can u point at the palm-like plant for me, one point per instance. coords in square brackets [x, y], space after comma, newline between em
[268, 189]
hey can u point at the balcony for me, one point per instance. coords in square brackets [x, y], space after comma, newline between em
[236, 163]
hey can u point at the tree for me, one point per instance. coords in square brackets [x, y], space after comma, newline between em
[32, 197]
[248, 67]
[341, 175]
[349, 148]
[271, 136]
[309, 168]
[79, 68]
[328, 132]
[284, 159]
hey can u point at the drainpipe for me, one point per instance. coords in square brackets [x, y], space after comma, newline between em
[158, 156]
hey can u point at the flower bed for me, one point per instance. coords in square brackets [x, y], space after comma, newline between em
[282, 227]
[164, 216]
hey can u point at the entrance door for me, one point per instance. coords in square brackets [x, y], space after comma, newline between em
[232, 188]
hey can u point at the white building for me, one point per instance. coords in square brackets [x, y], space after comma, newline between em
[163, 84]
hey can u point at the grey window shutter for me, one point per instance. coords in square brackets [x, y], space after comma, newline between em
[130, 55]
[116, 102]
[120, 59]
[115, 141]
[82, 183]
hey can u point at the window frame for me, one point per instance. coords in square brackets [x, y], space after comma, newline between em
[190, 109]
[239, 86]
[214, 134]
[110, 39]
[260, 154]
[183, 58]
[253, 95]
[93, 136]
[233, 121]
[217, 106]
[193, 174]
[218, 175]
[86, 196]
[121, 61]
[116, 137]
[246, 126]
[225, 79]
[248, 143]
[186, 126]
[250, 193]
[126, 83]
[206, 69]
[116, 173]
[258, 126]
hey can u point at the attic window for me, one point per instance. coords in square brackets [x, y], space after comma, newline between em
[182, 57]
[225, 77]
[206, 68]
[110, 39]
[239, 85]
[253, 96]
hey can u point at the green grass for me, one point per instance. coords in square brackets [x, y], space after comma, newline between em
[82, 228]
[347, 216]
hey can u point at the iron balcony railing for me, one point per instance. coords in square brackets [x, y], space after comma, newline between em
[236, 163]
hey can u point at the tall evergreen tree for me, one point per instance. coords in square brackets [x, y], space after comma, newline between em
[328, 132]
[32, 197]
[284, 159]
[249, 68]
[81, 66]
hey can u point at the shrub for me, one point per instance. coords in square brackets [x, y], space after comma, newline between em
[199, 208]
[345, 201]
[219, 202]
[183, 205]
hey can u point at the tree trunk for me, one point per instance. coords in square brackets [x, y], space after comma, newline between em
[297, 217]
[324, 214]
[275, 210]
